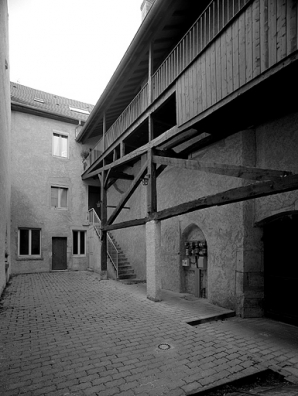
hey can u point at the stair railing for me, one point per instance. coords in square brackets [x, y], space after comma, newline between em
[112, 251]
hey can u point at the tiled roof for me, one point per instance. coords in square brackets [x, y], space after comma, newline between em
[40, 100]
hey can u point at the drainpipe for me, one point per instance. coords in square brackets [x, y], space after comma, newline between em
[76, 128]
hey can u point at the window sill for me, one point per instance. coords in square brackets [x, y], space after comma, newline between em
[79, 255]
[29, 258]
[58, 156]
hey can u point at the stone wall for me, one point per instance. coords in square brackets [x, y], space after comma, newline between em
[5, 125]
[235, 265]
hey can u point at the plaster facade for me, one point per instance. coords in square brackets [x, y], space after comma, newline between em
[235, 264]
[5, 125]
[34, 171]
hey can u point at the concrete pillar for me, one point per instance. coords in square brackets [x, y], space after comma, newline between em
[153, 260]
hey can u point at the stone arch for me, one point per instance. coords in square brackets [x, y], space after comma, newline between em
[194, 279]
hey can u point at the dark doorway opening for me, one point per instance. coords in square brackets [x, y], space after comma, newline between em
[281, 269]
[94, 199]
[59, 253]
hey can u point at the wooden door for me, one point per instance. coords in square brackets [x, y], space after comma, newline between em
[281, 269]
[59, 253]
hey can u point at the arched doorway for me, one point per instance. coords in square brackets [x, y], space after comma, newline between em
[194, 261]
[281, 268]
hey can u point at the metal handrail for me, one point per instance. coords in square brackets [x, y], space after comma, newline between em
[112, 251]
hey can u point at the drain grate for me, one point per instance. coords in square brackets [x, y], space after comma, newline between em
[164, 347]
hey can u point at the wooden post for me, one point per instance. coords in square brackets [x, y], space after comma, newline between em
[122, 149]
[104, 129]
[104, 216]
[150, 72]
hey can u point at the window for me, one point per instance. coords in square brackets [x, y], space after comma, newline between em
[60, 145]
[79, 243]
[59, 197]
[29, 242]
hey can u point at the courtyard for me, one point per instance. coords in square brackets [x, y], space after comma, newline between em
[70, 333]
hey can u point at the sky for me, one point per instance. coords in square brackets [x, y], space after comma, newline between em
[70, 47]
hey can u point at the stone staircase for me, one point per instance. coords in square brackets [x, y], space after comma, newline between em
[125, 270]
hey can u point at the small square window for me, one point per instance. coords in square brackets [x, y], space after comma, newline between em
[59, 197]
[60, 145]
[79, 243]
[29, 242]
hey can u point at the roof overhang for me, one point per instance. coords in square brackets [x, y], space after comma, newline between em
[164, 25]
[22, 108]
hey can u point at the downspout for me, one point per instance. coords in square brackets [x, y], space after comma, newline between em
[76, 128]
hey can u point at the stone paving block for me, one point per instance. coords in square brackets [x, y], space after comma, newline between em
[86, 336]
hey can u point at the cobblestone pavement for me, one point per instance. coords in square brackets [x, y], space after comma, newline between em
[71, 334]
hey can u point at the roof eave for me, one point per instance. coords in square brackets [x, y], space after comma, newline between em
[139, 36]
[15, 106]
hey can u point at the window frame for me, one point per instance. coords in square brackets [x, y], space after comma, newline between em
[59, 197]
[65, 134]
[29, 255]
[79, 254]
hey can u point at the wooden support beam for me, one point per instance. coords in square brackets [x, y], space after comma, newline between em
[242, 172]
[234, 195]
[122, 149]
[103, 218]
[111, 182]
[128, 194]
[126, 224]
[151, 191]
[238, 194]
[106, 179]
[121, 161]
[180, 138]
[150, 128]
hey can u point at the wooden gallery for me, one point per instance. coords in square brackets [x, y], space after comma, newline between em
[195, 142]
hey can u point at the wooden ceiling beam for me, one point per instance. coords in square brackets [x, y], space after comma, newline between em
[238, 194]
[242, 172]
[234, 195]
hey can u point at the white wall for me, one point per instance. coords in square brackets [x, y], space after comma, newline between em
[5, 122]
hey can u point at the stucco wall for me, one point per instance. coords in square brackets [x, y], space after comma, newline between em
[34, 170]
[5, 122]
[235, 248]
[222, 226]
[277, 148]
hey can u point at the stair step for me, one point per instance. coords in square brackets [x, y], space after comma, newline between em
[124, 265]
[123, 262]
[126, 272]
[127, 276]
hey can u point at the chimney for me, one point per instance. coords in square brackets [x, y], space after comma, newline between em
[145, 7]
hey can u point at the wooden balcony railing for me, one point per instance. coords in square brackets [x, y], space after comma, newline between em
[210, 23]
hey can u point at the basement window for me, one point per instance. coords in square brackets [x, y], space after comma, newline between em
[29, 242]
[77, 110]
[79, 243]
